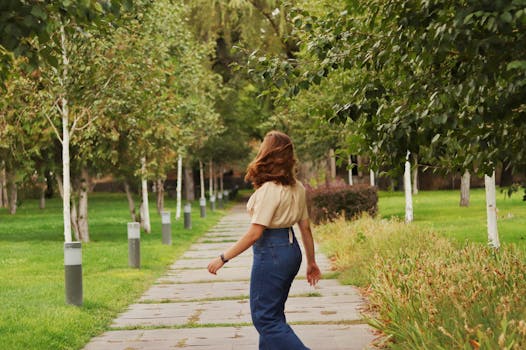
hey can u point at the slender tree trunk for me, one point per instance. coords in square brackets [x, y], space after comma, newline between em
[216, 182]
[372, 179]
[13, 191]
[465, 181]
[131, 202]
[74, 219]
[59, 185]
[160, 195]
[491, 211]
[145, 213]
[179, 187]
[211, 179]
[359, 161]
[415, 176]
[42, 203]
[4, 200]
[83, 206]
[332, 162]
[350, 170]
[221, 184]
[408, 193]
[506, 176]
[64, 109]
[202, 179]
[189, 186]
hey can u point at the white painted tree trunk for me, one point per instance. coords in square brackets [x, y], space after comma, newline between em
[202, 179]
[465, 181]
[64, 111]
[179, 187]
[350, 170]
[415, 177]
[491, 211]
[372, 180]
[145, 214]
[131, 202]
[408, 192]
[83, 206]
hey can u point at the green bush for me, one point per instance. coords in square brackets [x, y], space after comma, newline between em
[329, 202]
[425, 291]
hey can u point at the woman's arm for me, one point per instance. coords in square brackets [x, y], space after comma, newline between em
[313, 271]
[246, 241]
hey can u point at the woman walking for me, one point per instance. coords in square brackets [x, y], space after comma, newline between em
[277, 204]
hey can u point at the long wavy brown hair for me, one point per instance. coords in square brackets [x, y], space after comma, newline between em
[275, 161]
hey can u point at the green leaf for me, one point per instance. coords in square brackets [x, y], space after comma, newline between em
[39, 12]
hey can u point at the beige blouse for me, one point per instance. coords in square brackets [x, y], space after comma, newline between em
[277, 206]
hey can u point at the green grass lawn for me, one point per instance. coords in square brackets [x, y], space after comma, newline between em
[33, 311]
[440, 211]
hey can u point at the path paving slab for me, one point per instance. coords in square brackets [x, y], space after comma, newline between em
[340, 308]
[316, 337]
[193, 291]
[189, 308]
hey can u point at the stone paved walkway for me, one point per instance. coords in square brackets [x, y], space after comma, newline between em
[189, 308]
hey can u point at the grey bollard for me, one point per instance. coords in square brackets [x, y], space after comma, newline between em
[167, 227]
[220, 200]
[213, 202]
[226, 195]
[202, 204]
[187, 216]
[73, 272]
[134, 245]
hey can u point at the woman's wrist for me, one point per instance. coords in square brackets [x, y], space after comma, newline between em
[223, 259]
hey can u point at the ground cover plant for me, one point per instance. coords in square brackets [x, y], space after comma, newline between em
[428, 291]
[33, 312]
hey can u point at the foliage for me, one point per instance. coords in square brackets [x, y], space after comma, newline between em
[26, 27]
[443, 80]
[329, 202]
[427, 292]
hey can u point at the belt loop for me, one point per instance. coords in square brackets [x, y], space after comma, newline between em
[291, 240]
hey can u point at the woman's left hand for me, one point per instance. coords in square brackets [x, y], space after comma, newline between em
[215, 265]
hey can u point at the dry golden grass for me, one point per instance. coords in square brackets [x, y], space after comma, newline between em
[428, 292]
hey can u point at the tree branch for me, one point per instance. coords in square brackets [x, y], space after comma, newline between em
[53, 126]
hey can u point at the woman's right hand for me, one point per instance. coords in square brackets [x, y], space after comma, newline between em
[313, 273]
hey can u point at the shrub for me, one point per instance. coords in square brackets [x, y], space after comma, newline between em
[428, 292]
[329, 202]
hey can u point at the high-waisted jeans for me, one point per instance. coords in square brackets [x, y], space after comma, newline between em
[277, 259]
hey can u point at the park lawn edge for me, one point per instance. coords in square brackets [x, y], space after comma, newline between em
[35, 315]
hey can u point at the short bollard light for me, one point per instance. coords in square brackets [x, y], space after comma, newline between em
[188, 216]
[226, 194]
[73, 272]
[167, 227]
[134, 245]
[202, 204]
[212, 202]
[220, 200]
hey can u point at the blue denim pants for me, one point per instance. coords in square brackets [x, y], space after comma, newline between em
[277, 259]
